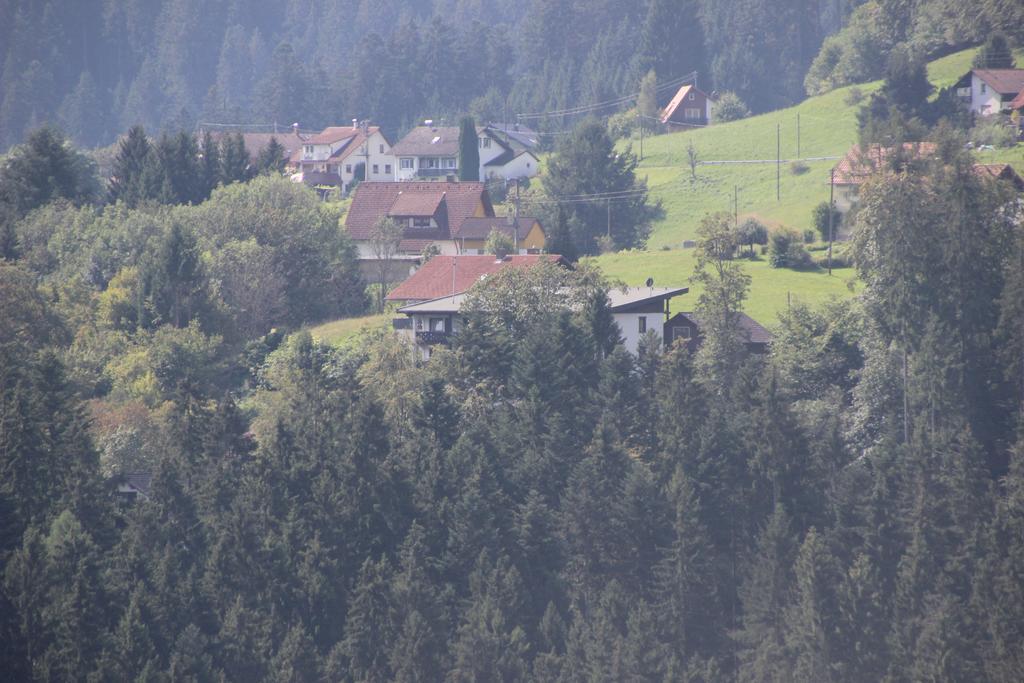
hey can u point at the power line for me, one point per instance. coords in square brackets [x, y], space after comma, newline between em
[674, 83]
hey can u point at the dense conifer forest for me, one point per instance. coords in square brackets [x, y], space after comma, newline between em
[534, 502]
[98, 67]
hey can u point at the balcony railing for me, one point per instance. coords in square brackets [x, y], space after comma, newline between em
[430, 338]
[436, 172]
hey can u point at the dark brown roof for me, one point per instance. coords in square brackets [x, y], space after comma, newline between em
[1001, 172]
[1003, 81]
[375, 199]
[446, 275]
[429, 141]
[480, 228]
[755, 332]
[257, 142]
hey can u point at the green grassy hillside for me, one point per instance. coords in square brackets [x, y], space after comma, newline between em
[771, 290]
[828, 126]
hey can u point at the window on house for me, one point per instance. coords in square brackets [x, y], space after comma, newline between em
[348, 168]
[642, 324]
[681, 332]
[984, 88]
[382, 149]
[406, 163]
[692, 113]
[419, 324]
[437, 324]
[693, 96]
[486, 143]
[449, 162]
[376, 169]
[387, 169]
[421, 222]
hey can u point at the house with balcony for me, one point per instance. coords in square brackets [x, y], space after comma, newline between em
[987, 92]
[636, 310]
[427, 152]
[338, 155]
[432, 152]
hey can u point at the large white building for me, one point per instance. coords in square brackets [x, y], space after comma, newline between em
[636, 310]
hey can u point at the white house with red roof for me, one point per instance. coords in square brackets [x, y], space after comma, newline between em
[990, 91]
[430, 213]
[337, 155]
[449, 275]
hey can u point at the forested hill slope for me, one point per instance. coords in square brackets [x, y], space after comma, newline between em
[96, 67]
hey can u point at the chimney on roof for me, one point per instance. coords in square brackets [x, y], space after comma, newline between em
[355, 123]
[295, 128]
[429, 123]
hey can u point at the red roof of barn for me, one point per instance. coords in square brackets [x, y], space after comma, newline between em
[445, 275]
[856, 167]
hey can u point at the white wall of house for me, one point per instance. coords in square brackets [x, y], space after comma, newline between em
[984, 100]
[846, 196]
[410, 167]
[380, 163]
[629, 326]
[523, 166]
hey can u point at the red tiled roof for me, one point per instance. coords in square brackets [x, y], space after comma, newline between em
[435, 279]
[333, 134]
[857, 166]
[480, 228]
[375, 199]
[416, 204]
[1003, 81]
[1018, 101]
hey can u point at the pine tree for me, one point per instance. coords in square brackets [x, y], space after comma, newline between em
[209, 165]
[811, 615]
[369, 629]
[272, 158]
[234, 159]
[128, 180]
[469, 150]
[996, 53]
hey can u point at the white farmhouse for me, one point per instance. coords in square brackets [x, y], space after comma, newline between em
[336, 156]
[430, 152]
[990, 91]
[636, 310]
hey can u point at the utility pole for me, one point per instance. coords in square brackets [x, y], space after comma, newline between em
[640, 118]
[778, 161]
[608, 204]
[798, 136]
[831, 210]
[736, 205]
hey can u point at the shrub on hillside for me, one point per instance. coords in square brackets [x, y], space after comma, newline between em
[798, 167]
[622, 125]
[820, 218]
[854, 96]
[729, 107]
[991, 130]
[751, 232]
[786, 250]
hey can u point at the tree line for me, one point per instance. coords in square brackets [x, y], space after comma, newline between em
[97, 67]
